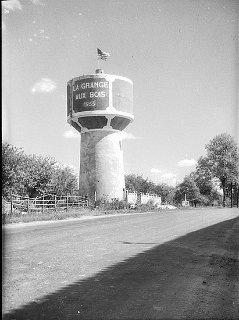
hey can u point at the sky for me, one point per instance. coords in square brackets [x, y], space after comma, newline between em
[182, 56]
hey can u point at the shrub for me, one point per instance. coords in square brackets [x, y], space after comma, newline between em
[116, 204]
[147, 206]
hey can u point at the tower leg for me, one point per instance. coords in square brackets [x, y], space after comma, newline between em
[101, 165]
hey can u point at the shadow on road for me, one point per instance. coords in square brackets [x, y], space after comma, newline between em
[190, 277]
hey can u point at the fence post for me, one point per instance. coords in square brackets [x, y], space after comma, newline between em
[28, 206]
[55, 202]
[67, 202]
[42, 203]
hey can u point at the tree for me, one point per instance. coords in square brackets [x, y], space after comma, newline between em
[13, 163]
[188, 187]
[137, 183]
[165, 192]
[207, 184]
[64, 181]
[223, 160]
[203, 176]
[32, 176]
[39, 172]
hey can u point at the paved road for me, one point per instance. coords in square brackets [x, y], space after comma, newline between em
[132, 266]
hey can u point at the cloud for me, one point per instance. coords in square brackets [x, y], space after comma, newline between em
[71, 135]
[186, 163]
[44, 85]
[168, 175]
[12, 5]
[154, 170]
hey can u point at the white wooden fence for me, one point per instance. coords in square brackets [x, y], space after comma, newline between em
[46, 202]
[142, 198]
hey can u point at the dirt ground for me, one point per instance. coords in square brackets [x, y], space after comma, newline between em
[193, 276]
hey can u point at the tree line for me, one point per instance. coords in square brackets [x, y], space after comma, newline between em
[32, 176]
[217, 171]
[219, 168]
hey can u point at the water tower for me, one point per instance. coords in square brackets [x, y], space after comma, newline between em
[100, 106]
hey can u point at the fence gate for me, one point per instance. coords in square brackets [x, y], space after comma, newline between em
[46, 203]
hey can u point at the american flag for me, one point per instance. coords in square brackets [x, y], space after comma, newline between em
[102, 55]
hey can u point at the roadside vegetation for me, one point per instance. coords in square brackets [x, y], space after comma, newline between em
[99, 209]
[213, 183]
[32, 176]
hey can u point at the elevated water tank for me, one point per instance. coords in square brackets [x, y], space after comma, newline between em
[100, 106]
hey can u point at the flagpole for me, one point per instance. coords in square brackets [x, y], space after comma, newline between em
[98, 62]
[102, 55]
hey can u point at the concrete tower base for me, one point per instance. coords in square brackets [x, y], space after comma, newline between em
[101, 165]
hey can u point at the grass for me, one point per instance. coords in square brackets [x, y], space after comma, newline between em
[17, 216]
[101, 208]
[50, 215]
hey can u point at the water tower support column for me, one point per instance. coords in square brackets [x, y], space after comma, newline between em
[101, 165]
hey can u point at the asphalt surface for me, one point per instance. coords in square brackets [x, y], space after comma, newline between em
[174, 265]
